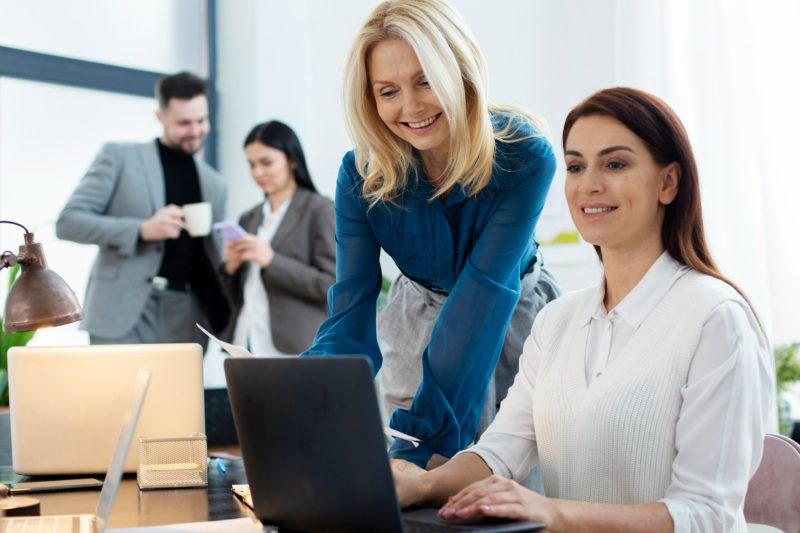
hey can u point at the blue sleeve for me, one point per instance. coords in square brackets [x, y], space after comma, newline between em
[350, 327]
[465, 344]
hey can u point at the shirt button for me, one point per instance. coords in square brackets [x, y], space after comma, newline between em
[598, 374]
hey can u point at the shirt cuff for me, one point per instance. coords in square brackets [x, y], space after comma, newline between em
[680, 513]
[492, 460]
[689, 516]
[127, 238]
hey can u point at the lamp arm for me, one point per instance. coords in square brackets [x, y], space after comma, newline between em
[8, 258]
[15, 223]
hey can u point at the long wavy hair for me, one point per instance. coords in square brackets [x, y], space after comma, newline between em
[659, 127]
[456, 71]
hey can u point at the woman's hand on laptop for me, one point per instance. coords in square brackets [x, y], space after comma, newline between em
[499, 497]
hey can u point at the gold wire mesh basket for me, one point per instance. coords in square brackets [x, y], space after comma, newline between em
[173, 462]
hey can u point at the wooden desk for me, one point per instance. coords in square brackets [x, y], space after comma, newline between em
[133, 507]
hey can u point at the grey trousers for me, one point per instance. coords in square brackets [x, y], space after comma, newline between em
[404, 330]
[168, 316]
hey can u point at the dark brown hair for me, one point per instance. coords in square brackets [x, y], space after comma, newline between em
[183, 86]
[657, 125]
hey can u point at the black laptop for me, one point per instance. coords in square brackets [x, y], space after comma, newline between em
[314, 450]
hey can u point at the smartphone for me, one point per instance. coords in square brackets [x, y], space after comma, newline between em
[230, 231]
[55, 485]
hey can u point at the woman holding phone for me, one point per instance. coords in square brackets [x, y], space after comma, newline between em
[278, 274]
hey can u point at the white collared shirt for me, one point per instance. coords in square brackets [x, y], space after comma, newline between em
[609, 332]
[253, 327]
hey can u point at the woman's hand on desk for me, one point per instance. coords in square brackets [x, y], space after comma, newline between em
[411, 488]
[499, 497]
[248, 248]
[409, 482]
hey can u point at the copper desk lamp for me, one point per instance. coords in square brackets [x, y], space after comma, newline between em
[39, 298]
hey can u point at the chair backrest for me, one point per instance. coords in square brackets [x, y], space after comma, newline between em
[793, 443]
[773, 495]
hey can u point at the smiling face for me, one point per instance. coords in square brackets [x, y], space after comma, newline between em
[185, 123]
[405, 101]
[616, 192]
[271, 170]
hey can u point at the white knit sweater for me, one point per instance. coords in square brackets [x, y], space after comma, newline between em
[613, 441]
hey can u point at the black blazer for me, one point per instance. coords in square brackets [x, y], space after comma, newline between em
[299, 276]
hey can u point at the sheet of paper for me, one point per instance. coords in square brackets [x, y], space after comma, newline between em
[236, 525]
[243, 492]
[399, 435]
[235, 350]
[231, 349]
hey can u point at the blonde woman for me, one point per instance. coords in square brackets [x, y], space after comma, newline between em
[451, 188]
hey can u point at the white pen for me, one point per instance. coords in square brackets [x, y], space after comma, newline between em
[402, 436]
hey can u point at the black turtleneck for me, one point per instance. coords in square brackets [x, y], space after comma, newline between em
[181, 186]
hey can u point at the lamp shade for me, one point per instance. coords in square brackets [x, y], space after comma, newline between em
[39, 298]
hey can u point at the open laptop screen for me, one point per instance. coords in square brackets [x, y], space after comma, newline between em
[65, 400]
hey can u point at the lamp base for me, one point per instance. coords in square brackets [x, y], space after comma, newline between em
[20, 506]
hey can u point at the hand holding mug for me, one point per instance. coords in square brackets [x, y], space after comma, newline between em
[166, 223]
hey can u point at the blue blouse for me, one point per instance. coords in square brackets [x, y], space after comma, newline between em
[475, 249]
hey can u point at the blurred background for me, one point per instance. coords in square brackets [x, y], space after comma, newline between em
[76, 74]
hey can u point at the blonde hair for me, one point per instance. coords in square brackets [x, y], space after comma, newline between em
[456, 71]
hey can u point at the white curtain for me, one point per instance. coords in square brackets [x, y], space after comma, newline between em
[731, 70]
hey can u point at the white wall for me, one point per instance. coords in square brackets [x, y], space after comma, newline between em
[281, 60]
[41, 161]
[160, 35]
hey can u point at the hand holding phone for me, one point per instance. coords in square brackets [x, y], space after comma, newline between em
[228, 230]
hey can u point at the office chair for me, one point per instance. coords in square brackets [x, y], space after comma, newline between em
[773, 495]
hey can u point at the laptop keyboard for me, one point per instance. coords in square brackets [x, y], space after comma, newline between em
[41, 524]
[417, 527]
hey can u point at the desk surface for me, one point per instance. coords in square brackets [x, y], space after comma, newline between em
[134, 507]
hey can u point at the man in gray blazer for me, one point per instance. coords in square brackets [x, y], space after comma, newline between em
[151, 281]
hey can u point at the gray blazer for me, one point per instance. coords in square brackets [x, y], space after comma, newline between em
[299, 276]
[123, 186]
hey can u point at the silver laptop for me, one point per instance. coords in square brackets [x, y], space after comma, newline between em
[92, 523]
[66, 398]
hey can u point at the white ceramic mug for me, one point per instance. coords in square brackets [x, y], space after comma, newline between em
[197, 219]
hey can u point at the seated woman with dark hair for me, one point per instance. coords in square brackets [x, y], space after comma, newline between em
[644, 399]
[278, 274]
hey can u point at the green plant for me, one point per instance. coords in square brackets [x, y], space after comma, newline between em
[9, 340]
[787, 365]
[787, 372]
[383, 296]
